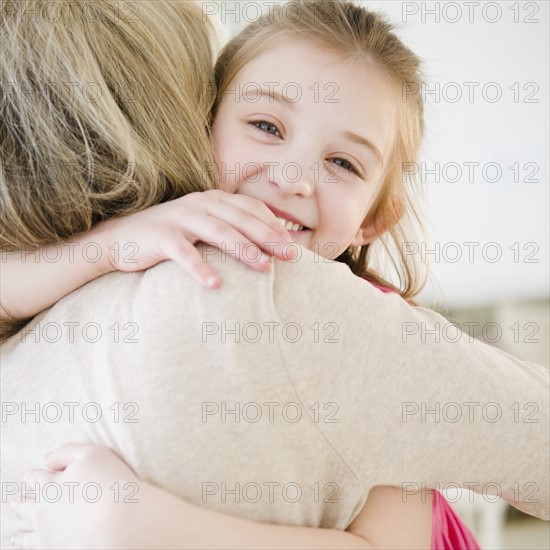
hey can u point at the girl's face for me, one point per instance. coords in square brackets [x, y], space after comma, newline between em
[309, 135]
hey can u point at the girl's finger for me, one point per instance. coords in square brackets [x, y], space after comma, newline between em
[23, 508]
[25, 540]
[32, 477]
[59, 459]
[229, 240]
[218, 233]
[253, 230]
[258, 209]
[253, 209]
[189, 258]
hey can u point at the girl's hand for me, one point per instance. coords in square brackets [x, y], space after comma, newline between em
[107, 507]
[239, 225]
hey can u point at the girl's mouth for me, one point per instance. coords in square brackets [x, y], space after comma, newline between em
[288, 221]
[291, 226]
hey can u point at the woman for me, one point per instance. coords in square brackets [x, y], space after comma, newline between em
[121, 163]
[128, 134]
[102, 113]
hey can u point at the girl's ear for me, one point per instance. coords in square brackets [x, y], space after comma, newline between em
[367, 233]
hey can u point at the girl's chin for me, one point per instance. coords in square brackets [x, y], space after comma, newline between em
[303, 238]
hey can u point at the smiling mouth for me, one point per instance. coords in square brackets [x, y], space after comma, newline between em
[291, 226]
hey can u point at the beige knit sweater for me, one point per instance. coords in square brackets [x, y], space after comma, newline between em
[281, 397]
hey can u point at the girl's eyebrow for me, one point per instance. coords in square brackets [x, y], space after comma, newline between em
[271, 94]
[367, 143]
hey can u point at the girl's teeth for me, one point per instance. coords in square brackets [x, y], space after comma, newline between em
[290, 226]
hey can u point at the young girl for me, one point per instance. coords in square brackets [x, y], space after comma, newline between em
[310, 135]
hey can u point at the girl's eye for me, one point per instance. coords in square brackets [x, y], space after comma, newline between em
[346, 165]
[266, 127]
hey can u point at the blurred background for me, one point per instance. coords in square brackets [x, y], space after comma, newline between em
[485, 171]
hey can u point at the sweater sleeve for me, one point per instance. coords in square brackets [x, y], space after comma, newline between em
[419, 403]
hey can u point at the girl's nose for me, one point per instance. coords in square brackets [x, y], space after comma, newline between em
[292, 178]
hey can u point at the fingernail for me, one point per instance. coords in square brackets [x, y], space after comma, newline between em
[212, 281]
[290, 253]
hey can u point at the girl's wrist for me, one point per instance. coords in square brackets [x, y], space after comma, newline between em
[100, 237]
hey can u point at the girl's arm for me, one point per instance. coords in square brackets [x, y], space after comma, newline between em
[385, 522]
[34, 281]
[158, 519]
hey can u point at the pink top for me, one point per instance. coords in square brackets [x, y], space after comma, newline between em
[384, 289]
[449, 532]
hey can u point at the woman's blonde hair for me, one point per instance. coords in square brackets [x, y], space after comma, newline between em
[103, 112]
[356, 33]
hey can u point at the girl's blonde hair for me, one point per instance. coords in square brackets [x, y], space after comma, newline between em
[103, 111]
[356, 33]
[104, 108]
